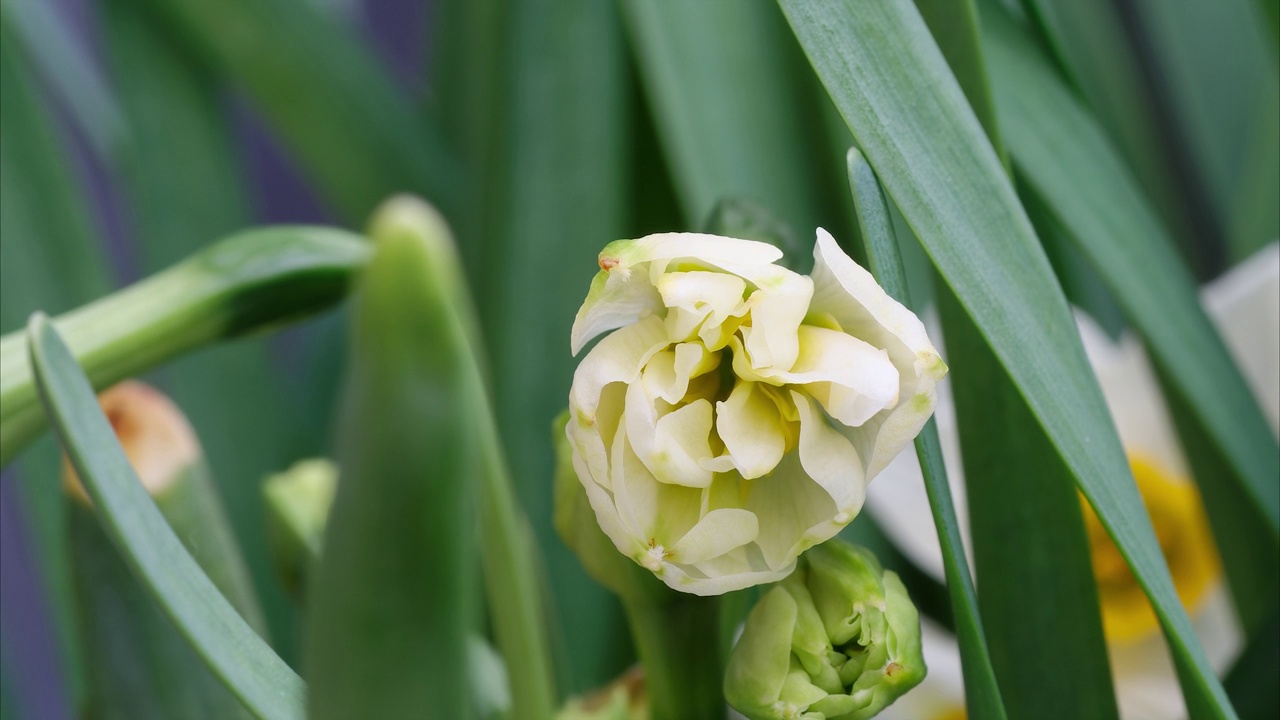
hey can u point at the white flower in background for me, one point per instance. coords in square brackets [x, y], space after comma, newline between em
[736, 413]
[1245, 305]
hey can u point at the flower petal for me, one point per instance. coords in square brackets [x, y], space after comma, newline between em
[1245, 305]
[795, 512]
[849, 295]
[749, 424]
[699, 302]
[618, 358]
[852, 379]
[615, 300]
[668, 373]
[829, 458]
[716, 534]
[699, 247]
[777, 309]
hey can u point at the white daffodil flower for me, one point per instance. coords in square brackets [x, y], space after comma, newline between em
[1245, 305]
[736, 412]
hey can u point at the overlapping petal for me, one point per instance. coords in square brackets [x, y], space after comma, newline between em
[736, 410]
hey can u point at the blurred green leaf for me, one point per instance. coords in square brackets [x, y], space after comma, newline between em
[49, 260]
[730, 115]
[1217, 86]
[252, 281]
[262, 681]
[982, 693]
[537, 98]
[138, 665]
[1092, 48]
[324, 93]
[184, 193]
[392, 601]
[1251, 681]
[911, 120]
[69, 70]
[1068, 163]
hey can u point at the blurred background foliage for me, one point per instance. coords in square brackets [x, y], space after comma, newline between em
[133, 132]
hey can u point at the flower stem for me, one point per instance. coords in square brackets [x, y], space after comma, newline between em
[678, 639]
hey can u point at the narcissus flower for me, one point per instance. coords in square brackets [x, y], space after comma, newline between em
[839, 638]
[736, 412]
[1245, 306]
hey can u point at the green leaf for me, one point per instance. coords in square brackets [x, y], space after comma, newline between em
[1251, 681]
[183, 194]
[729, 113]
[68, 70]
[910, 118]
[262, 681]
[1214, 71]
[982, 694]
[1090, 44]
[248, 282]
[1031, 550]
[50, 260]
[333, 106]
[139, 665]
[1038, 591]
[1067, 161]
[561, 110]
[392, 601]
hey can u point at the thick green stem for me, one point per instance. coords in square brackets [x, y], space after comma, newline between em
[678, 639]
[249, 282]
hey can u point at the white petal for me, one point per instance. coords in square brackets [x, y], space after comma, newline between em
[777, 309]
[854, 299]
[642, 418]
[795, 512]
[616, 299]
[852, 379]
[751, 428]
[618, 358]
[830, 460]
[701, 299]
[651, 510]
[681, 443]
[709, 249]
[714, 535]
[1132, 395]
[668, 373]
[1245, 305]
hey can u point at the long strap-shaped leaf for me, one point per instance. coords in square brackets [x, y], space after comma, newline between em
[727, 138]
[234, 652]
[1018, 518]
[1064, 155]
[893, 88]
[982, 695]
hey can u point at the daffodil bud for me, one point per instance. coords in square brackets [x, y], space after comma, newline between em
[623, 699]
[838, 638]
[735, 413]
[298, 502]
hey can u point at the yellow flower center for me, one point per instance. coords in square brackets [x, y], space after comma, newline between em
[1183, 534]
[955, 713]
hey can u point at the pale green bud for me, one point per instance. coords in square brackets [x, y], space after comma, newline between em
[837, 640]
[298, 502]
